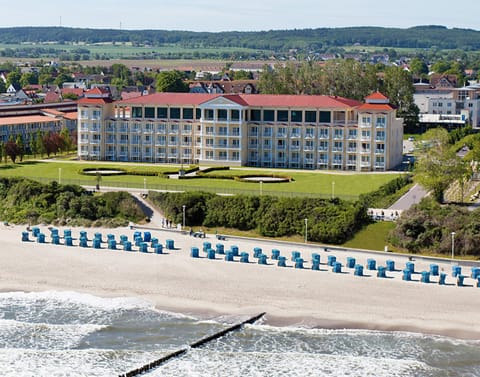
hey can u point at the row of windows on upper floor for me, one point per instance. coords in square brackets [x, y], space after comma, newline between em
[254, 115]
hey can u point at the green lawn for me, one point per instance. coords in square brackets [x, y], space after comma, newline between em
[372, 237]
[318, 183]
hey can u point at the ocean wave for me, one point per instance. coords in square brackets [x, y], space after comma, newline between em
[16, 334]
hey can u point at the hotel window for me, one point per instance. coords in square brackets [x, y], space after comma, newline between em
[338, 134]
[309, 132]
[267, 131]
[209, 155]
[381, 122]
[365, 134]
[187, 128]
[380, 148]
[280, 144]
[323, 133]
[188, 113]
[236, 143]
[173, 128]
[209, 130]
[222, 155]
[148, 139]
[174, 113]
[365, 147]
[222, 131]
[236, 131]
[311, 116]
[337, 146]
[295, 132]
[161, 127]
[253, 131]
[267, 144]
[255, 115]
[208, 114]
[198, 114]
[172, 140]
[209, 142]
[325, 117]
[268, 115]
[352, 134]
[380, 135]
[253, 143]
[222, 114]
[366, 119]
[136, 112]
[149, 112]
[282, 131]
[162, 112]
[282, 116]
[235, 156]
[296, 116]
[235, 115]
[161, 140]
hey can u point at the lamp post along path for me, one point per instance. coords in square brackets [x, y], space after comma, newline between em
[453, 245]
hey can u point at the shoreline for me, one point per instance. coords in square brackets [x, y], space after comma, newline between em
[209, 289]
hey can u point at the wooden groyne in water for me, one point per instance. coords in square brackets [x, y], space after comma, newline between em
[155, 364]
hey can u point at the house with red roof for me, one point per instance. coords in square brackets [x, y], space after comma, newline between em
[268, 131]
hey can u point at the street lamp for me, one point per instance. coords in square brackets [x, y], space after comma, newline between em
[306, 229]
[59, 176]
[453, 245]
[333, 190]
[183, 207]
[145, 183]
[261, 188]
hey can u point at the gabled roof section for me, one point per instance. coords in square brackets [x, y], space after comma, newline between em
[377, 97]
[282, 100]
[176, 99]
[254, 100]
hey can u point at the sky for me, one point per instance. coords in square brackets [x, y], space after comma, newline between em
[241, 15]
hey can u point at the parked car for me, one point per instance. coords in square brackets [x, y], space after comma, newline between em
[411, 138]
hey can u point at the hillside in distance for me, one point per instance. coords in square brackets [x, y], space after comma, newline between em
[273, 40]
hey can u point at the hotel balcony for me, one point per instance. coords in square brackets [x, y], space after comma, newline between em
[365, 125]
[379, 151]
[379, 165]
[308, 148]
[323, 149]
[323, 137]
[365, 151]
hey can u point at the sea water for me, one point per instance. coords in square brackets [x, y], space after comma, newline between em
[71, 334]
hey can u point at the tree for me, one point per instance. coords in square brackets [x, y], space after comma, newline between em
[418, 67]
[438, 166]
[13, 78]
[28, 78]
[67, 140]
[12, 150]
[398, 87]
[171, 81]
[21, 147]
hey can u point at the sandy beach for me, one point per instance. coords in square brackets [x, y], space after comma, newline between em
[211, 288]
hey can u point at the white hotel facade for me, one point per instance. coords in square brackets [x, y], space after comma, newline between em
[271, 131]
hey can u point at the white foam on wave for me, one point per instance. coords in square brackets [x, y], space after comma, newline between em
[108, 304]
[233, 364]
[16, 334]
[78, 363]
[80, 299]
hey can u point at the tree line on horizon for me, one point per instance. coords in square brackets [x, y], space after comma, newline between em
[319, 39]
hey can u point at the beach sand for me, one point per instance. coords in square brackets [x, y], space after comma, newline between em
[213, 288]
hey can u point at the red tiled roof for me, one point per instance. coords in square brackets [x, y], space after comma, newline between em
[376, 96]
[376, 107]
[281, 100]
[26, 119]
[257, 100]
[94, 101]
[71, 116]
[170, 99]
[77, 91]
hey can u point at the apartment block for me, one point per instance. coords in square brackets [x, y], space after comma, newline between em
[271, 131]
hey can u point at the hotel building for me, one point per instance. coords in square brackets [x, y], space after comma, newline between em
[271, 131]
